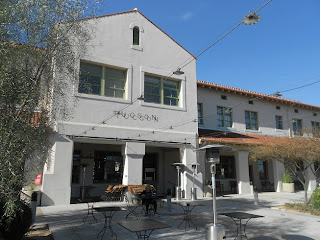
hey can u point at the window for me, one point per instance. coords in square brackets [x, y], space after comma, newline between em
[136, 36]
[161, 91]
[108, 167]
[297, 126]
[315, 114]
[296, 111]
[224, 97]
[251, 120]
[262, 168]
[224, 117]
[315, 127]
[278, 107]
[76, 167]
[250, 102]
[226, 167]
[200, 114]
[279, 122]
[101, 80]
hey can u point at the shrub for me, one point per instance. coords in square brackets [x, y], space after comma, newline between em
[286, 177]
[315, 199]
[15, 227]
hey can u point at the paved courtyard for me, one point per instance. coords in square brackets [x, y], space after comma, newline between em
[66, 223]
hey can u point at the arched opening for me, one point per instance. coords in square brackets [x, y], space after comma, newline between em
[136, 36]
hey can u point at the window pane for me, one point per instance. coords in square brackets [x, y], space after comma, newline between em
[115, 82]
[136, 36]
[226, 167]
[251, 119]
[152, 86]
[171, 92]
[200, 114]
[90, 79]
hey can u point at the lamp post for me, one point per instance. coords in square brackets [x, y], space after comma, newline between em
[178, 187]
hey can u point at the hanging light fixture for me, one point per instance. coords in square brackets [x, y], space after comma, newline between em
[251, 18]
[178, 72]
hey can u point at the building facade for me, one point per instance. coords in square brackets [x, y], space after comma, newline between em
[131, 118]
[238, 118]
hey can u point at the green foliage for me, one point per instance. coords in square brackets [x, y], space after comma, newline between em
[286, 178]
[302, 207]
[15, 226]
[315, 199]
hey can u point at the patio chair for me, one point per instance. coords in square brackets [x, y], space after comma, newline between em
[108, 194]
[131, 206]
[233, 186]
[219, 186]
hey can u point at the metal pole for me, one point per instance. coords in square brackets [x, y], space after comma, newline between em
[214, 197]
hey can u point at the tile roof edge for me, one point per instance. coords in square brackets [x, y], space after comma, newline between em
[265, 96]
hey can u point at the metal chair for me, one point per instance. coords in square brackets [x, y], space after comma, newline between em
[219, 186]
[233, 186]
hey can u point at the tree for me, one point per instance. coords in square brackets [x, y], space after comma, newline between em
[35, 44]
[297, 154]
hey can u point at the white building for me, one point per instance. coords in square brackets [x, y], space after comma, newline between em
[131, 117]
[236, 117]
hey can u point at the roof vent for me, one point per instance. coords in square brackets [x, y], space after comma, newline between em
[135, 9]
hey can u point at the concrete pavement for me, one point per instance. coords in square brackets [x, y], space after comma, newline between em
[66, 223]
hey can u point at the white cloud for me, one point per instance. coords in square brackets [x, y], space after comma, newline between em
[187, 16]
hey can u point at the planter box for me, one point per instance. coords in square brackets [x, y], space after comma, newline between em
[207, 191]
[288, 187]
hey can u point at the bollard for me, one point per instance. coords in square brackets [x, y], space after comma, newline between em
[193, 194]
[169, 200]
[33, 205]
[255, 196]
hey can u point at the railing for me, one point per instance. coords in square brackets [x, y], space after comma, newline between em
[25, 198]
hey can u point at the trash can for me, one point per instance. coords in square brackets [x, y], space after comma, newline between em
[193, 193]
[216, 232]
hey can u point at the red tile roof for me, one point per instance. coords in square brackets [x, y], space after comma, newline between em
[255, 94]
[133, 11]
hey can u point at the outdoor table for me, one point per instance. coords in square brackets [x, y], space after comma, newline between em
[187, 207]
[90, 204]
[142, 226]
[108, 218]
[240, 216]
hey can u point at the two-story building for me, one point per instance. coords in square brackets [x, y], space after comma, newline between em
[238, 118]
[131, 117]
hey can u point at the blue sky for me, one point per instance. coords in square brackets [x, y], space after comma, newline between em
[280, 52]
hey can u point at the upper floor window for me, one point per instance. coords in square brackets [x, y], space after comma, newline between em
[136, 36]
[315, 127]
[200, 114]
[224, 117]
[101, 80]
[297, 126]
[251, 120]
[279, 122]
[162, 91]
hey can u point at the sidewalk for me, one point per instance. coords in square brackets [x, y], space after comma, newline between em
[66, 223]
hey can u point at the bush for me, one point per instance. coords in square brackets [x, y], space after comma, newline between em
[286, 177]
[15, 227]
[315, 199]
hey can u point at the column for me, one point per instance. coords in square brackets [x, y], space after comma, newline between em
[311, 178]
[242, 166]
[278, 171]
[56, 184]
[133, 162]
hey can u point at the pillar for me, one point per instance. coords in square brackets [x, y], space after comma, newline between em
[278, 171]
[242, 166]
[56, 184]
[311, 178]
[133, 162]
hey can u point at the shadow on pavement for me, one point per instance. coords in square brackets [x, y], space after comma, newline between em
[296, 237]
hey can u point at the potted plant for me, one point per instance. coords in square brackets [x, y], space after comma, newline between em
[287, 183]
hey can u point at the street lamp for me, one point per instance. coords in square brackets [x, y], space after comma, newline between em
[178, 188]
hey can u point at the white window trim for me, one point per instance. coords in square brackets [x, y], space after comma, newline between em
[161, 73]
[101, 61]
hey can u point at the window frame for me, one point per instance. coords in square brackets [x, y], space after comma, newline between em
[280, 126]
[296, 131]
[223, 112]
[103, 81]
[315, 127]
[256, 126]
[162, 88]
[200, 113]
